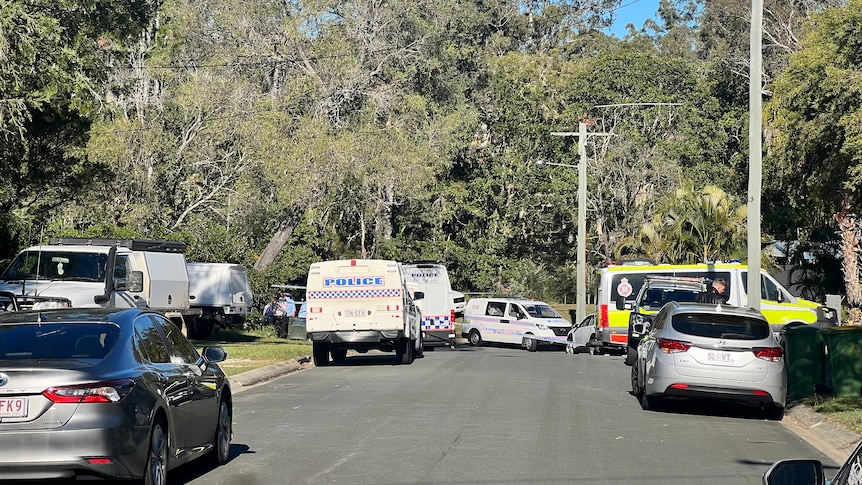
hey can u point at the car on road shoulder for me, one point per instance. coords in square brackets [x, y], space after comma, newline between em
[710, 351]
[107, 393]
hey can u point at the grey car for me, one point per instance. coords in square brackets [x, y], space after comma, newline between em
[107, 393]
[710, 351]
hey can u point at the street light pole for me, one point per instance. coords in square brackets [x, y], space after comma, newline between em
[581, 277]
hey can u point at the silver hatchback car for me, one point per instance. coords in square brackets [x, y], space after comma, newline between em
[711, 351]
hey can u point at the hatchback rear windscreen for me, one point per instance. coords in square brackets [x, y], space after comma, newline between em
[52, 341]
[714, 325]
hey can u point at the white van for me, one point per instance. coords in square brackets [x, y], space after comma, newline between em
[617, 286]
[513, 321]
[429, 286]
[361, 304]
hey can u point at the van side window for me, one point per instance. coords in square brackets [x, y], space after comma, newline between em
[495, 309]
[515, 311]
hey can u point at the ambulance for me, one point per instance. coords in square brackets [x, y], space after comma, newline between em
[617, 286]
[430, 280]
[361, 305]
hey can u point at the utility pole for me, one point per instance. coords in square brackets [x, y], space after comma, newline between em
[581, 277]
[755, 153]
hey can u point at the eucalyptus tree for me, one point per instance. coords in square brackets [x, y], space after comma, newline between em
[52, 63]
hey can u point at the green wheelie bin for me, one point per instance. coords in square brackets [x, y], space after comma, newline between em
[844, 359]
[806, 360]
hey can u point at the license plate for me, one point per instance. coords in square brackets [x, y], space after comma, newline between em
[727, 358]
[15, 407]
[354, 313]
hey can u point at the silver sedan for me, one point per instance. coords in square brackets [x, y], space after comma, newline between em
[107, 393]
[710, 351]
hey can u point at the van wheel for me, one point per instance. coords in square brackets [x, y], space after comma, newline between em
[475, 338]
[531, 343]
[404, 351]
[338, 355]
[320, 352]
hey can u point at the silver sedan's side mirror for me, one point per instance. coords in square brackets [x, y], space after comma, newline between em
[795, 472]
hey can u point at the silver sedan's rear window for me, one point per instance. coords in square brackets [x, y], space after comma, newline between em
[716, 325]
[48, 341]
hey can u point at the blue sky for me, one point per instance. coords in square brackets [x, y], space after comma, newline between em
[635, 12]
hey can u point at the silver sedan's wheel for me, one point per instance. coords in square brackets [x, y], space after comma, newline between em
[223, 433]
[157, 459]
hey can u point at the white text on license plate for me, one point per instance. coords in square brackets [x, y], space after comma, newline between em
[720, 357]
[354, 312]
[13, 407]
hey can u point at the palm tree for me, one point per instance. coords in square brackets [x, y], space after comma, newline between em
[693, 226]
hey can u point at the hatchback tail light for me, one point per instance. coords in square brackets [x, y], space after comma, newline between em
[103, 392]
[670, 346]
[772, 354]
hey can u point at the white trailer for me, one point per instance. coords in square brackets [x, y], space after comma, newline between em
[361, 305]
[222, 293]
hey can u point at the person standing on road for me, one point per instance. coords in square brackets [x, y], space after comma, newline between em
[715, 294]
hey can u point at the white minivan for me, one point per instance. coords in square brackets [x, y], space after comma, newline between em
[513, 321]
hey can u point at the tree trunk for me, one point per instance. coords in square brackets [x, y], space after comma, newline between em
[850, 249]
[279, 239]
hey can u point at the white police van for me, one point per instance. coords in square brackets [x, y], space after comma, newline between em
[513, 321]
[361, 304]
[429, 283]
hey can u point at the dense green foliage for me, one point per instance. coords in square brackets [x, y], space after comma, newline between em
[275, 134]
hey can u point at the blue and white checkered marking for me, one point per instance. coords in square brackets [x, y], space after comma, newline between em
[436, 322]
[341, 294]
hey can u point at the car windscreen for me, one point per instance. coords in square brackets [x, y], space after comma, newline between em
[655, 298]
[58, 265]
[723, 326]
[56, 341]
[541, 311]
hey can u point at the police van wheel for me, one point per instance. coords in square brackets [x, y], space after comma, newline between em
[338, 355]
[475, 338]
[404, 351]
[320, 353]
[531, 343]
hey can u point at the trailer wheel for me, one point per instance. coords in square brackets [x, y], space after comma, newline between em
[320, 353]
[475, 338]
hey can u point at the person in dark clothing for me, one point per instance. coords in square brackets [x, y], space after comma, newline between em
[715, 294]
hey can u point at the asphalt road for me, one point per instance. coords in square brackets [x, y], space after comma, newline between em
[488, 415]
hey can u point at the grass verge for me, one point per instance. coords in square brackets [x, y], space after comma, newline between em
[254, 348]
[846, 411]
